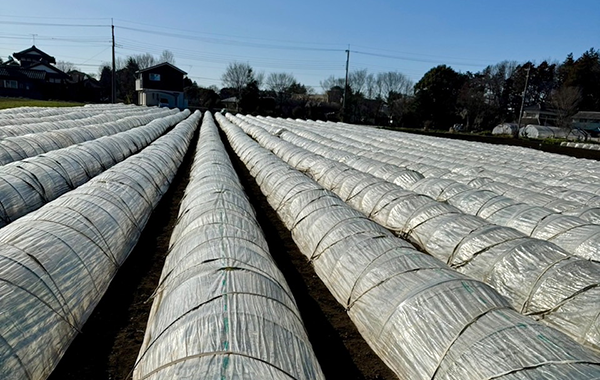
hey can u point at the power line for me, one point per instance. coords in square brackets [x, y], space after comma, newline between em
[55, 18]
[53, 24]
[415, 59]
[257, 62]
[140, 44]
[222, 41]
[231, 36]
[49, 39]
[260, 60]
[421, 54]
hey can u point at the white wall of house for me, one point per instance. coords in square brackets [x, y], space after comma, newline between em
[154, 98]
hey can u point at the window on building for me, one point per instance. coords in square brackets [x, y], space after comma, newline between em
[154, 77]
[11, 83]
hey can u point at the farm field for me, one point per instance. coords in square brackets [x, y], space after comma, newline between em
[299, 249]
[6, 103]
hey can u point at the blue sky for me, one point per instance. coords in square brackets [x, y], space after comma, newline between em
[306, 38]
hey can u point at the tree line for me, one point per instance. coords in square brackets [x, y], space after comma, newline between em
[480, 100]
[441, 98]
[494, 95]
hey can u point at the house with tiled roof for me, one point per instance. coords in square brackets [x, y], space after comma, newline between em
[33, 76]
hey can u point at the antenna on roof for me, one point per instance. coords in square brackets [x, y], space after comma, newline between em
[33, 37]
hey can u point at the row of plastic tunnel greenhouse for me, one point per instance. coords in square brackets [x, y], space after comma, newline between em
[454, 260]
[425, 317]
[581, 145]
[71, 217]
[534, 131]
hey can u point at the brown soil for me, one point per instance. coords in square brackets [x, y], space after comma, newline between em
[110, 340]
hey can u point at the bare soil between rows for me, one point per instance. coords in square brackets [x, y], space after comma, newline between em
[110, 341]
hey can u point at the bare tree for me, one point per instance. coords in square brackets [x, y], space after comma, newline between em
[145, 60]
[280, 82]
[66, 66]
[393, 81]
[565, 100]
[259, 78]
[237, 75]
[330, 82]
[120, 63]
[166, 56]
[357, 80]
[371, 91]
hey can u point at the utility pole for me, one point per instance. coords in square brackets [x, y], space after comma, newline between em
[346, 85]
[523, 99]
[113, 93]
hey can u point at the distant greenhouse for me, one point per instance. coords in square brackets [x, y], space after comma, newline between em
[544, 132]
[506, 129]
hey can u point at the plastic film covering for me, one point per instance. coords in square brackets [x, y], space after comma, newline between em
[544, 132]
[65, 118]
[30, 112]
[28, 184]
[556, 198]
[506, 129]
[20, 147]
[222, 309]
[57, 262]
[531, 212]
[536, 276]
[425, 320]
[532, 175]
[580, 145]
[575, 235]
[20, 113]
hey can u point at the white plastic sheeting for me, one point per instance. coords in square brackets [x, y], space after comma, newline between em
[20, 147]
[28, 115]
[536, 276]
[558, 185]
[29, 112]
[423, 319]
[28, 184]
[13, 116]
[506, 129]
[548, 175]
[57, 262]
[222, 310]
[44, 112]
[79, 117]
[575, 235]
[536, 167]
[533, 131]
[579, 145]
